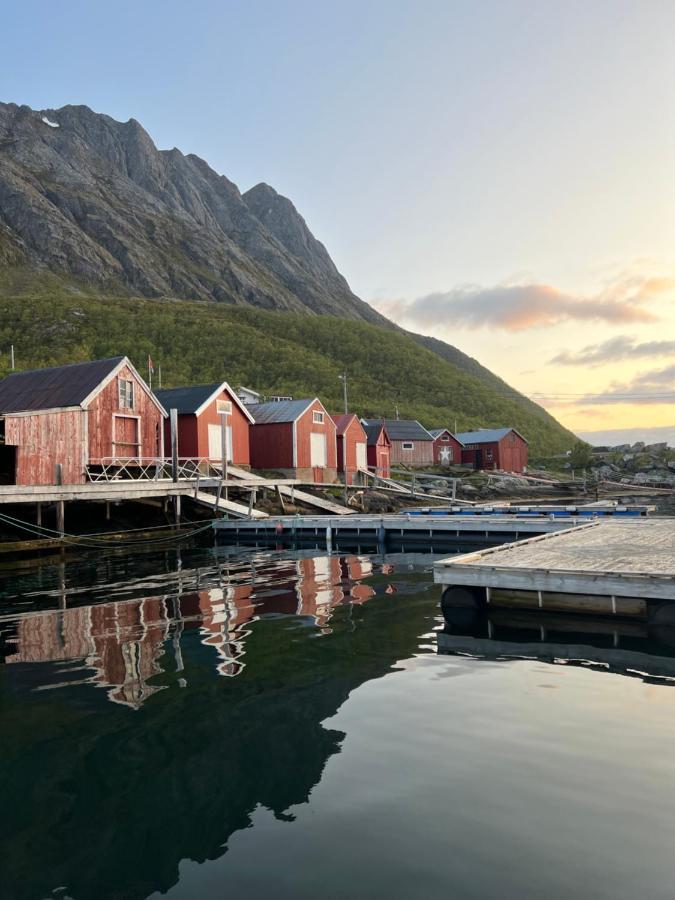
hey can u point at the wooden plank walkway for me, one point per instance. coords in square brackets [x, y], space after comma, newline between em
[227, 506]
[608, 557]
[291, 493]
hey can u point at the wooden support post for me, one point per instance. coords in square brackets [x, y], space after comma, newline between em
[251, 501]
[173, 417]
[176, 509]
[219, 491]
[281, 499]
[38, 514]
[412, 487]
[61, 517]
[107, 510]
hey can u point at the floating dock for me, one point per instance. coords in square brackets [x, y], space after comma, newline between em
[607, 557]
[582, 511]
[378, 529]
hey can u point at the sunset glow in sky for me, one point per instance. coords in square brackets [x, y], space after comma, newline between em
[499, 174]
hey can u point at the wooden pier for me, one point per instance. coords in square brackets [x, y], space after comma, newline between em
[609, 557]
[377, 529]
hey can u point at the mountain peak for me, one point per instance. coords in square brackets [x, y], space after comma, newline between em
[85, 195]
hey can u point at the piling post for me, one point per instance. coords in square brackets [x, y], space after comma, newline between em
[60, 518]
[176, 509]
[173, 417]
[38, 514]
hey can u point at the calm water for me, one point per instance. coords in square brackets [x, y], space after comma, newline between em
[260, 724]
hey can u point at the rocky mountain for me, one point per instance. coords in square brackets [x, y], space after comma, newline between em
[90, 208]
[90, 197]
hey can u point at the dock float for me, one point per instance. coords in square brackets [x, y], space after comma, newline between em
[611, 558]
[377, 529]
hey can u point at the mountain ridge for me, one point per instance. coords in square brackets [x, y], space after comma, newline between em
[89, 206]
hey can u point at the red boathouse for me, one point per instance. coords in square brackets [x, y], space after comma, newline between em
[56, 422]
[296, 437]
[495, 448]
[447, 449]
[378, 449]
[352, 453]
[200, 408]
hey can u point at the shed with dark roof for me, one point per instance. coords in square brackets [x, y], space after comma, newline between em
[447, 449]
[495, 448]
[378, 449]
[200, 427]
[295, 437]
[411, 443]
[57, 423]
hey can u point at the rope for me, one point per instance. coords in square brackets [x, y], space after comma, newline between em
[84, 540]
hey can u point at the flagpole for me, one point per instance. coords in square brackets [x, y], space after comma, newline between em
[149, 374]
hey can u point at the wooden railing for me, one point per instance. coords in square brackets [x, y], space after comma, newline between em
[152, 469]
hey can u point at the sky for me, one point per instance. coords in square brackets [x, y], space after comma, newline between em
[500, 175]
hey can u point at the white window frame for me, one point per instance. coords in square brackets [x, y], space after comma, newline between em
[126, 393]
[317, 417]
[407, 445]
[224, 407]
[445, 438]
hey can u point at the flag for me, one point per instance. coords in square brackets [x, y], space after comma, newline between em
[151, 365]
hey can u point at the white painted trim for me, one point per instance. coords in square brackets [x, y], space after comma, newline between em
[225, 387]
[125, 361]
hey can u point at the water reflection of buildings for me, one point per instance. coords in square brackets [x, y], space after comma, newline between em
[123, 642]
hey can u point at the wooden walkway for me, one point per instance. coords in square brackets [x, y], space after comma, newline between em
[617, 558]
[290, 493]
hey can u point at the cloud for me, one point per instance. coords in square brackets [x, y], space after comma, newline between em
[523, 306]
[655, 386]
[618, 348]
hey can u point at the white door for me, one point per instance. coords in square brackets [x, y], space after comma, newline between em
[215, 442]
[361, 458]
[317, 445]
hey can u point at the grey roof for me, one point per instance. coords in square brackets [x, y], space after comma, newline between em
[373, 431]
[437, 432]
[186, 399]
[279, 410]
[486, 435]
[403, 430]
[54, 387]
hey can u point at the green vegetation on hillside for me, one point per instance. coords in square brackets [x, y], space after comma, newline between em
[271, 352]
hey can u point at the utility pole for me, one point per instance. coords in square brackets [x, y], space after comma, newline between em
[343, 379]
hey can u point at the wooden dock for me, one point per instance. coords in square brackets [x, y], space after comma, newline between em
[377, 529]
[608, 557]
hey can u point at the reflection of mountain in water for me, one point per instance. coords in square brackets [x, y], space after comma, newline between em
[104, 795]
[623, 646]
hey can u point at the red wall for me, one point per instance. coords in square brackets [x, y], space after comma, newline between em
[193, 432]
[305, 426]
[379, 456]
[45, 439]
[100, 425]
[451, 444]
[346, 448]
[509, 454]
[272, 446]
